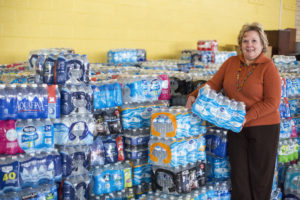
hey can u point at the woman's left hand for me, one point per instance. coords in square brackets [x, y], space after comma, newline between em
[244, 122]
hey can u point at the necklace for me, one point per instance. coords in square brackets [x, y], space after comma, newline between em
[238, 85]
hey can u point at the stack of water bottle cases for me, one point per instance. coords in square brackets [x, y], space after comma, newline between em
[119, 130]
[288, 171]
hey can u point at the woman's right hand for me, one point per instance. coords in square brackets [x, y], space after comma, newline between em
[190, 102]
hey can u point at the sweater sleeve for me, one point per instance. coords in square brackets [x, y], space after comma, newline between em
[216, 82]
[271, 96]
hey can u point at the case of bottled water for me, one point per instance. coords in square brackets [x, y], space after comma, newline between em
[126, 55]
[8, 138]
[107, 94]
[108, 121]
[35, 134]
[141, 171]
[29, 170]
[178, 180]
[292, 182]
[106, 150]
[111, 178]
[219, 110]
[175, 152]
[177, 122]
[74, 160]
[76, 99]
[141, 88]
[76, 187]
[74, 129]
[138, 115]
[216, 142]
[137, 137]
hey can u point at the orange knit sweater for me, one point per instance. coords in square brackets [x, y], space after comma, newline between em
[261, 91]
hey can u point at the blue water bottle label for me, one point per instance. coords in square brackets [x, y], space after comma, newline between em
[9, 177]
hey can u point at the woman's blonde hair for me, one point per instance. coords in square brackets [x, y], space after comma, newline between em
[254, 27]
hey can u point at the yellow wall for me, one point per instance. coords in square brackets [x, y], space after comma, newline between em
[162, 27]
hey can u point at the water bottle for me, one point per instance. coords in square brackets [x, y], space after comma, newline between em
[3, 103]
[48, 69]
[86, 71]
[127, 170]
[43, 99]
[217, 191]
[10, 111]
[225, 195]
[23, 102]
[118, 177]
[210, 192]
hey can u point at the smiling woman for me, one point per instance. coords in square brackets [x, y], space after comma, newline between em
[254, 79]
[252, 41]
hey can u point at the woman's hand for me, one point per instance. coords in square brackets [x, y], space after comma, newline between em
[190, 102]
[244, 122]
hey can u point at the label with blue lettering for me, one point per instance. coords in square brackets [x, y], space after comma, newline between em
[30, 109]
[48, 136]
[31, 138]
[9, 177]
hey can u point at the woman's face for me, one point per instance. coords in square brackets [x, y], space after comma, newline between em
[251, 46]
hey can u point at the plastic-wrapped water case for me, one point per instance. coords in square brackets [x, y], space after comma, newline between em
[219, 109]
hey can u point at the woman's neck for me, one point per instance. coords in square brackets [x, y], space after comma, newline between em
[248, 62]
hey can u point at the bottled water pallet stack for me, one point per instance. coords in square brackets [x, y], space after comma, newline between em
[30, 166]
[141, 94]
[176, 151]
[288, 179]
